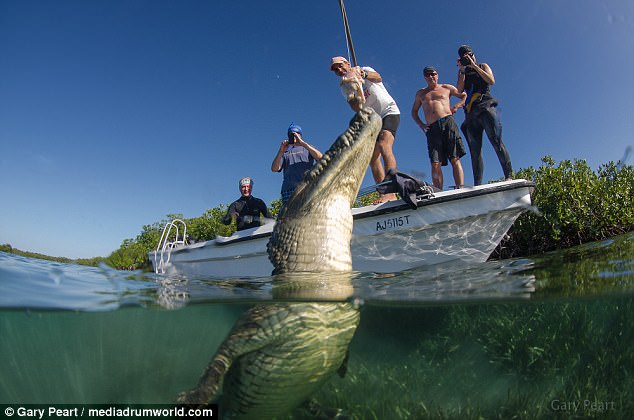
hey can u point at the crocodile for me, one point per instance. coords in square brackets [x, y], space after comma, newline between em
[313, 230]
[279, 354]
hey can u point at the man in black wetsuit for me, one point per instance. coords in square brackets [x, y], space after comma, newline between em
[480, 113]
[247, 208]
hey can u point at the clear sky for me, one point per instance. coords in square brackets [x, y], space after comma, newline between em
[115, 113]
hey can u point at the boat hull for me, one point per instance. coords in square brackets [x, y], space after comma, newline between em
[461, 225]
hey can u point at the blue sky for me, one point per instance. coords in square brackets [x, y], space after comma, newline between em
[115, 113]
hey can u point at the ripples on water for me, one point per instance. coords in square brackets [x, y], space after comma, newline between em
[524, 337]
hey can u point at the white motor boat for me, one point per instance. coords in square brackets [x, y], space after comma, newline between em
[464, 224]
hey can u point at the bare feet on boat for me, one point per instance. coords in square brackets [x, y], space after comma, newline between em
[384, 198]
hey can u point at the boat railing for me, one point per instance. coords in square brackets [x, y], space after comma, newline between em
[170, 238]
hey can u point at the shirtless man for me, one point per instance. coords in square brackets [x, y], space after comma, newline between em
[443, 135]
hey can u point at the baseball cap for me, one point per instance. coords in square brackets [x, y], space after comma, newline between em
[463, 50]
[294, 128]
[337, 60]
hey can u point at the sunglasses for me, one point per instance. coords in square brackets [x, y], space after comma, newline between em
[430, 74]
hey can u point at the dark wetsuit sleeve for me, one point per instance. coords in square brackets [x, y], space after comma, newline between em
[232, 209]
[264, 210]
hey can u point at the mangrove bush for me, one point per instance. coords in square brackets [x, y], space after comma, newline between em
[572, 205]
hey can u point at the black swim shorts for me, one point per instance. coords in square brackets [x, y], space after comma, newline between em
[444, 141]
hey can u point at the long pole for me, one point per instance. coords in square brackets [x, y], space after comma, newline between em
[351, 55]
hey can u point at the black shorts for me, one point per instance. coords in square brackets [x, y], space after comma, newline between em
[391, 122]
[444, 141]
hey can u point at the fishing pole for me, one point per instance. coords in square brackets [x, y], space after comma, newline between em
[351, 56]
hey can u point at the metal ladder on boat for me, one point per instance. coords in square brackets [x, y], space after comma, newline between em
[165, 245]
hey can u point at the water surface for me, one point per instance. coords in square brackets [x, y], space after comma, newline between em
[549, 336]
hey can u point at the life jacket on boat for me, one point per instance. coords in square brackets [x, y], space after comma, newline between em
[408, 187]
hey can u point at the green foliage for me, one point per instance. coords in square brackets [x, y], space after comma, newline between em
[129, 256]
[93, 262]
[366, 200]
[574, 205]
[83, 261]
[276, 205]
[209, 225]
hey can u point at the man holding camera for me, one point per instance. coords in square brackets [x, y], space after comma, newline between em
[295, 157]
[480, 113]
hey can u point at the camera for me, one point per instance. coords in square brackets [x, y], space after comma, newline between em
[291, 138]
[464, 60]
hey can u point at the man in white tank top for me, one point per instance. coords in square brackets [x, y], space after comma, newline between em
[376, 97]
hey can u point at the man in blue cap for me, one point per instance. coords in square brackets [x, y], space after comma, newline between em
[295, 157]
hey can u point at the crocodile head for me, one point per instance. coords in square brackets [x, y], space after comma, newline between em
[313, 230]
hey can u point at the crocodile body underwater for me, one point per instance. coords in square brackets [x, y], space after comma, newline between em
[278, 354]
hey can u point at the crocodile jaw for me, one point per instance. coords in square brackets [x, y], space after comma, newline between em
[313, 230]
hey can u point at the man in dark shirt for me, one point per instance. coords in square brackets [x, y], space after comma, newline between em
[480, 113]
[246, 209]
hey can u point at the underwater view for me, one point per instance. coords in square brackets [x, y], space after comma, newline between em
[550, 337]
